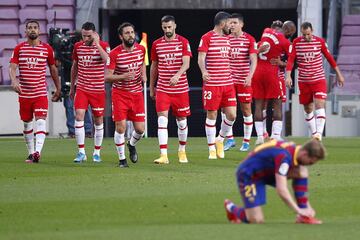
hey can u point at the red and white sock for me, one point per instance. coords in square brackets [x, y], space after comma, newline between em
[182, 133]
[135, 138]
[40, 134]
[98, 138]
[320, 120]
[230, 134]
[210, 129]
[276, 129]
[226, 126]
[311, 122]
[163, 134]
[248, 126]
[119, 139]
[29, 136]
[80, 135]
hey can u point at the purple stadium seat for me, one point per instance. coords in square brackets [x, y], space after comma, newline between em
[354, 67]
[349, 50]
[52, 3]
[350, 31]
[42, 28]
[9, 12]
[10, 3]
[349, 41]
[32, 13]
[9, 27]
[7, 46]
[351, 20]
[4, 63]
[27, 3]
[345, 59]
[61, 14]
[62, 24]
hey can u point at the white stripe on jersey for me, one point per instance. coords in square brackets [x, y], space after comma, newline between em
[239, 58]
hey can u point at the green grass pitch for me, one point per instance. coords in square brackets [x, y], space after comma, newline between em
[58, 199]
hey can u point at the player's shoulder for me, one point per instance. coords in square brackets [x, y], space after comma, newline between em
[297, 40]
[157, 41]
[139, 46]
[320, 39]
[209, 34]
[268, 30]
[47, 46]
[181, 38]
[20, 45]
[249, 36]
[116, 50]
[103, 44]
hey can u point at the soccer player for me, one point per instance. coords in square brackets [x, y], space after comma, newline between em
[126, 70]
[266, 84]
[218, 87]
[272, 164]
[89, 58]
[170, 56]
[243, 61]
[308, 50]
[31, 57]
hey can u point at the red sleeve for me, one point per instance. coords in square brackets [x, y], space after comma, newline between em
[204, 43]
[186, 48]
[105, 46]
[15, 55]
[154, 56]
[291, 57]
[74, 54]
[112, 57]
[51, 58]
[327, 54]
[252, 46]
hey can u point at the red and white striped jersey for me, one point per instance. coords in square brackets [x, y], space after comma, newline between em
[308, 56]
[124, 61]
[91, 67]
[32, 61]
[217, 59]
[277, 43]
[169, 56]
[241, 48]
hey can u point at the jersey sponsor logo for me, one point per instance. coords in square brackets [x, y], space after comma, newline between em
[140, 115]
[185, 109]
[32, 62]
[309, 56]
[132, 67]
[85, 60]
[283, 169]
[169, 58]
[224, 51]
[235, 52]
[232, 99]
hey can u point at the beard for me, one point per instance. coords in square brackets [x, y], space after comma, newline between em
[226, 31]
[169, 34]
[129, 43]
[33, 36]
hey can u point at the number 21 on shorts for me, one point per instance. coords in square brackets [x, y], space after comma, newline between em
[250, 190]
[207, 95]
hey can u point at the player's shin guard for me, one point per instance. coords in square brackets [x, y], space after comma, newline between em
[320, 120]
[182, 133]
[248, 126]
[310, 121]
[40, 134]
[210, 129]
[226, 125]
[80, 135]
[29, 136]
[163, 134]
[98, 138]
[276, 129]
[300, 187]
[119, 139]
[135, 138]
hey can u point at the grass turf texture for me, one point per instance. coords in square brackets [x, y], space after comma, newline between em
[58, 199]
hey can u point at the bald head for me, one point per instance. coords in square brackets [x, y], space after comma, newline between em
[289, 28]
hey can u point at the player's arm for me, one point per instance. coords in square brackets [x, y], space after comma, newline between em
[332, 62]
[55, 77]
[253, 64]
[289, 65]
[14, 81]
[143, 73]
[202, 66]
[111, 77]
[185, 66]
[104, 55]
[153, 77]
[73, 76]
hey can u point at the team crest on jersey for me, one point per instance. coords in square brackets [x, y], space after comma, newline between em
[85, 60]
[169, 58]
[132, 67]
[41, 53]
[32, 62]
[309, 56]
[224, 51]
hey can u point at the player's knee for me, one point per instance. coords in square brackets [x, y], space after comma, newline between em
[256, 219]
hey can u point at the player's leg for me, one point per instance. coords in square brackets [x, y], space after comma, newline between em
[264, 115]
[40, 112]
[277, 123]
[306, 99]
[119, 139]
[81, 105]
[248, 125]
[259, 127]
[230, 141]
[320, 95]
[97, 103]
[26, 115]
[162, 104]
[182, 135]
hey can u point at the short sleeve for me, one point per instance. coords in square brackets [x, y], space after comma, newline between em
[204, 44]
[15, 55]
[253, 45]
[111, 64]
[186, 48]
[51, 57]
[154, 56]
[282, 163]
[74, 53]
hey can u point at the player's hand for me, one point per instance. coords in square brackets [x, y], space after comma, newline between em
[16, 86]
[56, 96]
[340, 80]
[248, 81]
[152, 93]
[72, 93]
[96, 38]
[263, 48]
[288, 82]
[174, 80]
[307, 212]
[275, 61]
[129, 76]
[144, 79]
[206, 76]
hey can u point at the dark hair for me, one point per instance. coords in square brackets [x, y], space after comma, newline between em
[167, 18]
[88, 26]
[220, 16]
[277, 24]
[32, 21]
[238, 16]
[124, 25]
[306, 25]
